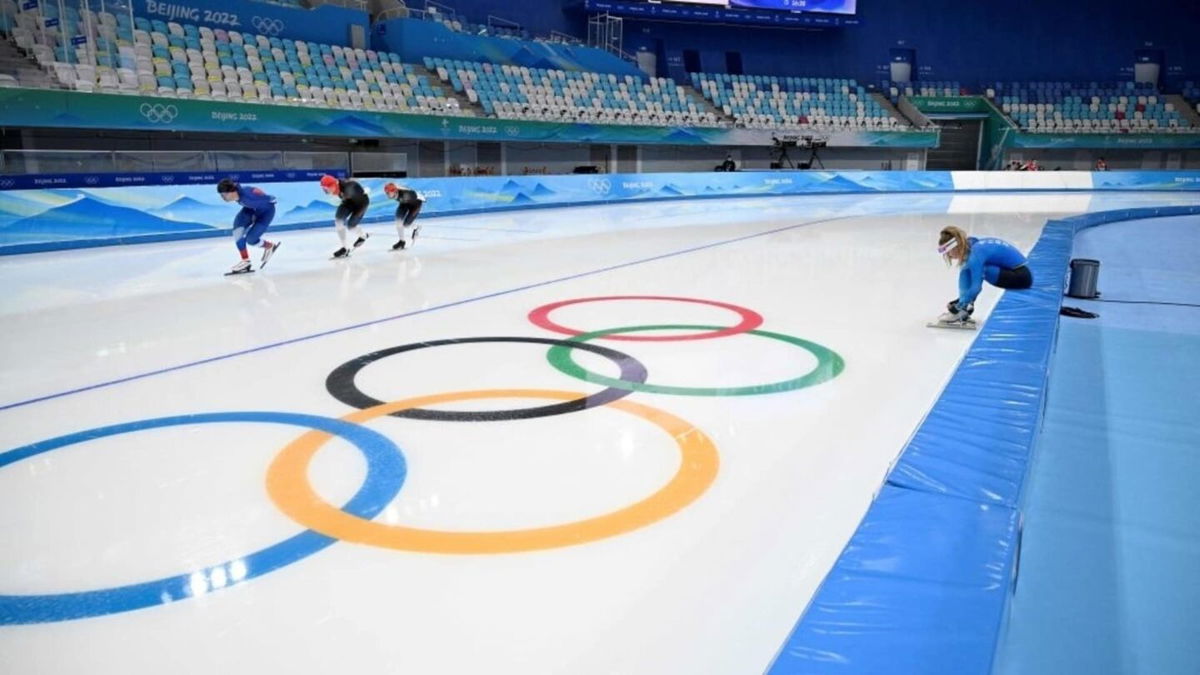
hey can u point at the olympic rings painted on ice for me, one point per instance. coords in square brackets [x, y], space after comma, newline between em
[289, 488]
[287, 480]
[829, 365]
[385, 474]
[340, 383]
[540, 317]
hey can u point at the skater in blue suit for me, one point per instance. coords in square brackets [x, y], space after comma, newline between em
[992, 260]
[258, 209]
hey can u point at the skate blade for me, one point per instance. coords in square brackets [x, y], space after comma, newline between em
[268, 258]
[237, 274]
[952, 326]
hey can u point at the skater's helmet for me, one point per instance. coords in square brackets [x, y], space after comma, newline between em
[390, 189]
[227, 185]
[329, 183]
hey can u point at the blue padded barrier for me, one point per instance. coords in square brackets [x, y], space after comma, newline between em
[924, 584]
[43, 212]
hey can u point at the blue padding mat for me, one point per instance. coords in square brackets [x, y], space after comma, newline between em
[905, 591]
[923, 585]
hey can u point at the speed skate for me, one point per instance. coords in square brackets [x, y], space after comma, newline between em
[967, 324]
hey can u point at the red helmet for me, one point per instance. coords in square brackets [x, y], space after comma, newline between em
[390, 189]
[329, 183]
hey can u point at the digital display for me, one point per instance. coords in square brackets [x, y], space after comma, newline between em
[827, 6]
[776, 13]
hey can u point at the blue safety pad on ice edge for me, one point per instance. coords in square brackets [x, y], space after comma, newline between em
[976, 441]
[923, 585]
[888, 569]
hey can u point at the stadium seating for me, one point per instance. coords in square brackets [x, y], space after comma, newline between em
[894, 90]
[518, 92]
[1097, 108]
[151, 57]
[801, 103]
[1191, 92]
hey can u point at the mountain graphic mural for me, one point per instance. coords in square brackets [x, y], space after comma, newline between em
[313, 211]
[522, 198]
[87, 217]
[348, 123]
[837, 183]
[18, 204]
[680, 135]
[540, 190]
[670, 190]
[192, 210]
[904, 181]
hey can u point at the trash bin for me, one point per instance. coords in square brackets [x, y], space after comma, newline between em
[1084, 275]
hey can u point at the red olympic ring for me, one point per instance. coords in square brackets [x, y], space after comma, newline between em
[540, 317]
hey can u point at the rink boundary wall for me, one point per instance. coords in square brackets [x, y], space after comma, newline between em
[79, 211]
[925, 583]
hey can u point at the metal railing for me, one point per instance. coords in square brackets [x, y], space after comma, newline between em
[563, 38]
[360, 5]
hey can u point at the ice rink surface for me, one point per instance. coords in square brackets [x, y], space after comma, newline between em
[677, 528]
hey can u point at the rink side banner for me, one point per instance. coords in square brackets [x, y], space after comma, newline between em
[50, 218]
[79, 110]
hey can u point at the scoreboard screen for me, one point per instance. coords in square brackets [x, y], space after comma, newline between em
[829, 6]
[808, 14]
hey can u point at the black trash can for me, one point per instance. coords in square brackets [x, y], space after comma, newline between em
[1084, 275]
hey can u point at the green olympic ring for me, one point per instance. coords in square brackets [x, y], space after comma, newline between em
[829, 365]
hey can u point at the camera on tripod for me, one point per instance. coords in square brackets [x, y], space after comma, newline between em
[811, 142]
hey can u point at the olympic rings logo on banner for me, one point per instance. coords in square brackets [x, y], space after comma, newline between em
[267, 25]
[157, 113]
[288, 486]
[600, 186]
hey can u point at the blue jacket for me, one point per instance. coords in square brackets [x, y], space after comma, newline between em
[254, 199]
[988, 256]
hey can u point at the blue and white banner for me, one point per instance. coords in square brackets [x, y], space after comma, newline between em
[53, 217]
[100, 180]
[325, 23]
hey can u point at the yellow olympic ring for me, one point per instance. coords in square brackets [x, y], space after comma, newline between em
[289, 488]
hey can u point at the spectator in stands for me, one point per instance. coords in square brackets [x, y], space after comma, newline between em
[729, 164]
[1101, 165]
[251, 222]
[992, 260]
[1032, 165]
[353, 207]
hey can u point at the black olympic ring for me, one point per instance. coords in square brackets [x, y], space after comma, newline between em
[340, 383]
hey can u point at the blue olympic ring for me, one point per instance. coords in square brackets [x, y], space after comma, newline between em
[386, 470]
